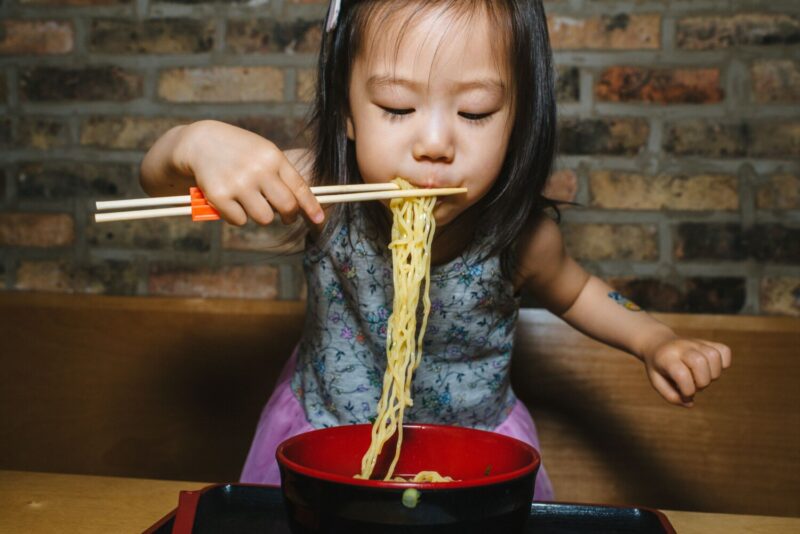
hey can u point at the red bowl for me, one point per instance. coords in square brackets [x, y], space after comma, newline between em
[493, 487]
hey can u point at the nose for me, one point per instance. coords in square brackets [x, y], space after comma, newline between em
[434, 141]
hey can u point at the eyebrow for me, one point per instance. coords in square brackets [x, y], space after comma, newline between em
[487, 84]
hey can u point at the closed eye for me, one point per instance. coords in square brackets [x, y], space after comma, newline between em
[476, 117]
[396, 114]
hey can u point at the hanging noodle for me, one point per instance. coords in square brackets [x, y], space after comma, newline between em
[412, 234]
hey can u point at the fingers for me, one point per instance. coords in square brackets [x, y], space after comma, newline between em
[683, 367]
[282, 200]
[251, 178]
[724, 352]
[683, 379]
[713, 357]
[299, 188]
[230, 210]
[697, 363]
[257, 208]
[288, 193]
[667, 390]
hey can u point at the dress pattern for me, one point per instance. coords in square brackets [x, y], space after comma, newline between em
[464, 376]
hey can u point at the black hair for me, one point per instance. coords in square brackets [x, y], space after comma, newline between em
[516, 198]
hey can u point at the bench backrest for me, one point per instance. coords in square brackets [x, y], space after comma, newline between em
[172, 388]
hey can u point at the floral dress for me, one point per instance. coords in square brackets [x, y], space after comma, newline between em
[463, 377]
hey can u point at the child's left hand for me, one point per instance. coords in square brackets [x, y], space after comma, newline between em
[678, 368]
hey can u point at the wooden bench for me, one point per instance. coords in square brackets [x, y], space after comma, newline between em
[172, 388]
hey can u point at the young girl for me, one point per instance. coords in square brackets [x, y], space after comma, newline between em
[442, 93]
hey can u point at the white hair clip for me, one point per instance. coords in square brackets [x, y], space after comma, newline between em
[333, 14]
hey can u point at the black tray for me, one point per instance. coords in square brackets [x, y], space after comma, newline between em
[245, 508]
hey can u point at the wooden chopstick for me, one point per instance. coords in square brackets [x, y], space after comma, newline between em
[323, 199]
[381, 195]
[187, 199]
[143, 214]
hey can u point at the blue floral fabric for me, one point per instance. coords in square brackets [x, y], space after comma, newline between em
[463, 378]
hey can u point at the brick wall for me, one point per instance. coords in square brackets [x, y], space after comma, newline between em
[679, 134]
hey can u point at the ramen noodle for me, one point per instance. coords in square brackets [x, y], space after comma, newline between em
[412, 235]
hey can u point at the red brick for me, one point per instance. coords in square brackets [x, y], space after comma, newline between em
[306, 84]
[151, 36]
[776, 81]
[42, 134]
[633, 191]
[780, 192]
[771, 243]
[763, 139]
[780, 295]
[222, 84]
[619, 32]
[51, 276]
[286, 132]
[562, 186]
[126, 133]
[618, 137]
[709, 241]
[173, 233]
[270, 36]
[744, 29]
[36, 37]
[689, 295]
[596, 242]
[246, 281]
[662, 86]
[62, 276]
[276, 237]
[70, 181]
[568, 84]
[36, 229]
[80, 84]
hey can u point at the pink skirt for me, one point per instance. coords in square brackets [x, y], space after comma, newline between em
[283, 417]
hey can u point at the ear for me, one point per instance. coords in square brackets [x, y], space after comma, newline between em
[351, 131]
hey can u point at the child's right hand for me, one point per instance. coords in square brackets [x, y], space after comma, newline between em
[241, 174]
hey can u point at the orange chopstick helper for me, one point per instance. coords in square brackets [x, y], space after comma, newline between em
[201, 209]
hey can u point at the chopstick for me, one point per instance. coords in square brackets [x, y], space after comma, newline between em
[200, 210]
[186, 199]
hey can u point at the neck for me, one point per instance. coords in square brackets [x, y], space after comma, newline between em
[450, 241]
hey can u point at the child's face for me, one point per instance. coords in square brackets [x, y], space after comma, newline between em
[440, 114]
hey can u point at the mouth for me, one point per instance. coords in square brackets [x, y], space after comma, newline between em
[433, 183]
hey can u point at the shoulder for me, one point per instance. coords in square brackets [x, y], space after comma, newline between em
[545, 269]
[301, 160]
[541, 246]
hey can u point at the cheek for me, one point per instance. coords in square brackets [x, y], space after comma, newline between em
[484, 172]
[371, 160]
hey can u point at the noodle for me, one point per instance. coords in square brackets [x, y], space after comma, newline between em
[425, 476]
[412, 235]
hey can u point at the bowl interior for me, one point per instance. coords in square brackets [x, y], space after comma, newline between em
[471, 457]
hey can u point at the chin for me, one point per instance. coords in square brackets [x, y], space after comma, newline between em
[444, 216]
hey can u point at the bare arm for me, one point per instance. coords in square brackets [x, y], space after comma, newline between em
[676, 367]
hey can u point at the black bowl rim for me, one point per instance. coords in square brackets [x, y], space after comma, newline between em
[384, 484]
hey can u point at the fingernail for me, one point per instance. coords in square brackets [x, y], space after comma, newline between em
[319, 217]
